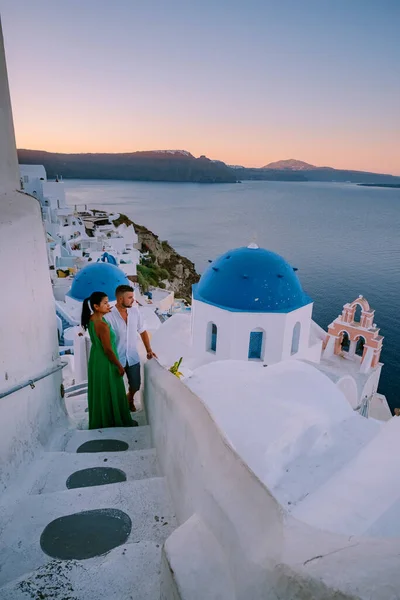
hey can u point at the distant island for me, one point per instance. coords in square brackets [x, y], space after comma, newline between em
[182, 166]
[172, 165]
[297, 170]
[384, 185]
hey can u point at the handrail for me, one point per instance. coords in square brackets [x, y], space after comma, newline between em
[33, 380]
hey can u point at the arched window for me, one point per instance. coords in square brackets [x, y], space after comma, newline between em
[345, 343]
[360, 346]
[357, 314]
[256, 344]
[212, 336]
[296, 338]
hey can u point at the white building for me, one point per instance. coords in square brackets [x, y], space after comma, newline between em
[292, 499]
[249, 306]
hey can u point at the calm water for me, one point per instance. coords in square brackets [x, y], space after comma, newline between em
[343, 238]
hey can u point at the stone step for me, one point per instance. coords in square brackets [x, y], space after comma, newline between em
[137, 438]
[76, 405]
[130, 572]
[53, 470]
[146, 502]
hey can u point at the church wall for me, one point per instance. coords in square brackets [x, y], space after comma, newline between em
[234, 332]
[348, 387]
[303, 316]
[202, 315]
[372, 383]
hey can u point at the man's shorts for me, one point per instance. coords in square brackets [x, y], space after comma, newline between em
[133, 374]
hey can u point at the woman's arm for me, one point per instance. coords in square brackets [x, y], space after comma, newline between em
[103, 332]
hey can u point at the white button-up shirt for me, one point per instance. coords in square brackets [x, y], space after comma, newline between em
[126, 333]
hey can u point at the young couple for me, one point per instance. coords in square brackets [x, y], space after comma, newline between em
[113, 333]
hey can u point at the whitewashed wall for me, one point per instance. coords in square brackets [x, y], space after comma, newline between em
[234, 542]
[234, 332]
[347, 385]
[28, 340]
[372, 383]
[28, 343]
[9, 174]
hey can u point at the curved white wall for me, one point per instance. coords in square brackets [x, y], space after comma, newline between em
[9, 173]
[28, 341]
[234, 541]
[348, 387]
[28, 344]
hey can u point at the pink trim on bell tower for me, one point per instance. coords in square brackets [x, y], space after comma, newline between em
[347, 337]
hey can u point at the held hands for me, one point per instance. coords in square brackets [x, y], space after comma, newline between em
[121, 370]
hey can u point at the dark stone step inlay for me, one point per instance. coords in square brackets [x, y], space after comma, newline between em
[86, 534]
[95, 476]
[103, 446]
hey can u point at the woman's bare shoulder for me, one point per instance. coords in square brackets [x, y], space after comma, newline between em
[101, 326]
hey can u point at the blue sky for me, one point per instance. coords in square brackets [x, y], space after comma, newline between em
[245, 82]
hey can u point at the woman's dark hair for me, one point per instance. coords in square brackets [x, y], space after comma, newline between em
[88, 307]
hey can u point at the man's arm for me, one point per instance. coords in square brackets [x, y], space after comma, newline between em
[141, 327]
[146, 341]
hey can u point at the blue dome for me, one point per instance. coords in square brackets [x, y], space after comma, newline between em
[251, 280]
[98, 277]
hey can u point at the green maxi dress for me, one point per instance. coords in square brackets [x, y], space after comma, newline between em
[108, 405]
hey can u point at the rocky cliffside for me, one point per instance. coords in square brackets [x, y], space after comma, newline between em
[181, 271]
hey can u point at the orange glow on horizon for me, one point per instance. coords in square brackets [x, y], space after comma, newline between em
[353, 156]
[247, 87]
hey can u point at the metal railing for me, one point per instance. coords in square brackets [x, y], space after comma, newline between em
[31, 382]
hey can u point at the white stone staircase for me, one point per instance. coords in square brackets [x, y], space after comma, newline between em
[130, 571]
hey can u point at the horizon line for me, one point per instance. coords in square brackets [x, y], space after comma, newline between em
[196, 157]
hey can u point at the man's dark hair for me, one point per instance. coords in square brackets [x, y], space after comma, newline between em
[122, 289]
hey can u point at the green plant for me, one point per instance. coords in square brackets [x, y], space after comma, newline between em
[175, 368]
[144, 286]
[150, 274]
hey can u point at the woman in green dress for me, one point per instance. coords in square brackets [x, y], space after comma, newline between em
[107, 402]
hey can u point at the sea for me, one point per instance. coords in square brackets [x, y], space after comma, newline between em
[343, 238]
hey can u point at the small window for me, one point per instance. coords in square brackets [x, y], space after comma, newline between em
[26, 179]
[213, 340]
[212, 334]
[296, 338]
[256, 344]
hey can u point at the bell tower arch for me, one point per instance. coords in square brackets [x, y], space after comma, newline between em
[356, 340]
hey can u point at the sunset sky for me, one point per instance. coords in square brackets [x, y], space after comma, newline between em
[244, 81]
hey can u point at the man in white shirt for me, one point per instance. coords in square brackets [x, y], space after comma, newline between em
[127, 322]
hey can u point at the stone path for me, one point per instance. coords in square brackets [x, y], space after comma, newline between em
[63, 542]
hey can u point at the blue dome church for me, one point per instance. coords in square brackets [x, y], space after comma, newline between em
[97, 277]
[249, 305]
